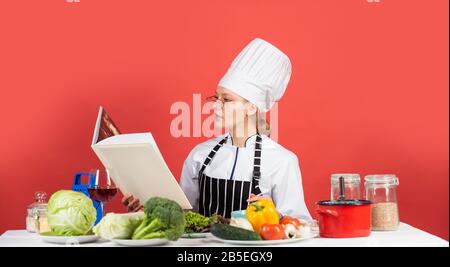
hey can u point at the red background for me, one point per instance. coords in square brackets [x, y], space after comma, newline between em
[368, 94]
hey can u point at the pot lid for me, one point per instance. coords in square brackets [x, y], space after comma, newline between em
[349, 202]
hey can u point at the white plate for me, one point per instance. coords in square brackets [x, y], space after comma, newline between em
[265, 242]
[141, 242]
[69, 240]
[196, 235]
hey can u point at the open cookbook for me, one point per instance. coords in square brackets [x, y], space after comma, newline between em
[136, 165]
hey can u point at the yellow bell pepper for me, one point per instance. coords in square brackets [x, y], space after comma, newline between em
[261, 212]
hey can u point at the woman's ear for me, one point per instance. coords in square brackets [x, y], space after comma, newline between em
[251, 109]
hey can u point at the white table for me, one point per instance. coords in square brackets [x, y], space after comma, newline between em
[406, 235]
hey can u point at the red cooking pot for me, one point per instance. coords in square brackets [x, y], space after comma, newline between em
[344, 218]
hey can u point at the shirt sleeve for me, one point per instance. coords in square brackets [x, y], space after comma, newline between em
[189, 181]
[287, 190]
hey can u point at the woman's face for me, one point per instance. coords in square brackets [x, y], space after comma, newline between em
[230, 109]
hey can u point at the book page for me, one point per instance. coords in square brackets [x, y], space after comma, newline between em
[124, 139]
[135, 138]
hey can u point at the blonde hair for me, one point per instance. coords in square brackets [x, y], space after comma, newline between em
[262, 125]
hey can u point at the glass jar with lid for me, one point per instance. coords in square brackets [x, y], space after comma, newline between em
[380, 189]
[36, 220]
[352, 186]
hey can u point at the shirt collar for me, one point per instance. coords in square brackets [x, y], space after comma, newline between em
[249, 142]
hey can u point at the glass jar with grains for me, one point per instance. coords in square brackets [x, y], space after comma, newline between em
[380, 189]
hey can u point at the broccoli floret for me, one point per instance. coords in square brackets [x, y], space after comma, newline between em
[164, 218]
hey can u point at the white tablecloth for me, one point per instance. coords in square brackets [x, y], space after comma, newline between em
[406, 235]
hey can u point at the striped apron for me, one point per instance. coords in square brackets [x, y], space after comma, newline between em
[222, 196]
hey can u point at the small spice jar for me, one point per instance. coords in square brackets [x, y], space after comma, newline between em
[40, 216]
[380, 189]
[352, 186]
[36, 220]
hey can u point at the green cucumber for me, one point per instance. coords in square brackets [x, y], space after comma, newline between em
[230, 232]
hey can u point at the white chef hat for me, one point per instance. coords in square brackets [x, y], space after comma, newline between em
[260, 74]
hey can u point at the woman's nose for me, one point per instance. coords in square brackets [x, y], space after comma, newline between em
[217, 104]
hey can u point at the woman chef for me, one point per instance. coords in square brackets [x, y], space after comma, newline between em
[225, 173]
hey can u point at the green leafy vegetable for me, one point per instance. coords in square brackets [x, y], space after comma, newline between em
[197, 223]
[70, 213]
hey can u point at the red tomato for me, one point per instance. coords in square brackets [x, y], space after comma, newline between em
[290, 220]
[272, 231]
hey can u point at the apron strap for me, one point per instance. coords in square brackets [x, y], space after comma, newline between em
[257, 166]
[211, 155]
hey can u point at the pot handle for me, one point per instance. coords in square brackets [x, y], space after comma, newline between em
[327, 212]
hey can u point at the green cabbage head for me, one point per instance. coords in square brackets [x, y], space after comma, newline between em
[118, 225]
[70, 213]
